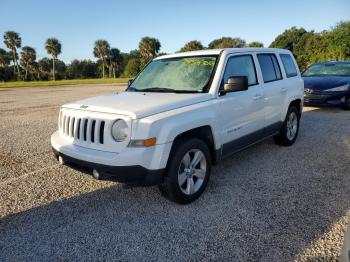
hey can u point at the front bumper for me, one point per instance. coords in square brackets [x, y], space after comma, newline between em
[133, 175]
[319, 98]
[137, 166]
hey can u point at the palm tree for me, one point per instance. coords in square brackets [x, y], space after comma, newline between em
[12, 40]
[28, 57]
[115, 60]
[5, 58]
[53, 48]
[101, 51]
[149, 48]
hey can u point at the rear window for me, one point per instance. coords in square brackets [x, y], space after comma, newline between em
[288, 65]
[269, 67]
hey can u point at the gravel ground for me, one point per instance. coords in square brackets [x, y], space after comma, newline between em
[267, 203]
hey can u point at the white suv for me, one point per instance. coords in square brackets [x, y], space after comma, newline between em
[181, 114]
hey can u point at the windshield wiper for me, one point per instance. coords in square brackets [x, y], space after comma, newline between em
[163, 90]
[158, 89]
[130, 88]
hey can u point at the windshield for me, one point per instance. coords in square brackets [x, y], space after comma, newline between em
[336, 69]
[179, 75]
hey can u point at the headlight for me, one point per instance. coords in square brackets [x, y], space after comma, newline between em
[120, 130]
[339, 88]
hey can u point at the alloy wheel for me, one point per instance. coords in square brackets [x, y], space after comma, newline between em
[192, 171]
[292, 126]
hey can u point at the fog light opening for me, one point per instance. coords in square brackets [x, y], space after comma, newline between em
[95, 174]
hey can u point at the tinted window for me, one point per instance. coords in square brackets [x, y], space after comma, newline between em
[276, 66]
[269, 67]
[241, 66]
[288, 65]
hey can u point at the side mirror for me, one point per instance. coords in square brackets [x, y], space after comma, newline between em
[235, 84]
[130, 82]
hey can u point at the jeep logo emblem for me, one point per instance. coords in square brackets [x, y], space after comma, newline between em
[84, 106]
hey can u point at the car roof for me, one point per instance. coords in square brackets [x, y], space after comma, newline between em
[223, 50]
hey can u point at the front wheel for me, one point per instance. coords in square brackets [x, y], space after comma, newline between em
[187, 172]
[290, 128]
[347, 104]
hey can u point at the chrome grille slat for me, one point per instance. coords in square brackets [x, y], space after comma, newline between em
[77, 122]
[67, 126]
[97, 131]
[70, 127]
[88, 131]
[82, 121]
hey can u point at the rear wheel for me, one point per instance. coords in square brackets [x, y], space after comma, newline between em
[188, 171]
[290, 128]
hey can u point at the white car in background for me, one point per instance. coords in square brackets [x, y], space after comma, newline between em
[181, 114]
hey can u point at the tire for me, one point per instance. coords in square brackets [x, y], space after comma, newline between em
[182, 182]
[347, 105]
[290, 128]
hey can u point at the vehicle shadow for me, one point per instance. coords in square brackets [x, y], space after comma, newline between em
[266, 203]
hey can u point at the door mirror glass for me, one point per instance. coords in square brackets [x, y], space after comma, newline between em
[235, 84]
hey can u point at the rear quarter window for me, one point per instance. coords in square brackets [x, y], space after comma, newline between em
[288, 65]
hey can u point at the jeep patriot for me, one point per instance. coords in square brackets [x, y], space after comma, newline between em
[183, 113]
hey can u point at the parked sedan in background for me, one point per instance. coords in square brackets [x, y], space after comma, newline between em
[327, 83]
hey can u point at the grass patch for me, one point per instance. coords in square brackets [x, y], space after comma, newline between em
[65, 82]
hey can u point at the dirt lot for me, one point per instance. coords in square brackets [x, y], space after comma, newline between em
[267, 203]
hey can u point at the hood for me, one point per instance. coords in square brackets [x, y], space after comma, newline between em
[325, 82]
[138, 104]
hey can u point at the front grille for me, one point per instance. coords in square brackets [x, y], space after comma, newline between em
[82, 129]
[92, 130]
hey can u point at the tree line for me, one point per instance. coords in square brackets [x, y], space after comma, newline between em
[310, 47]
[20, 63]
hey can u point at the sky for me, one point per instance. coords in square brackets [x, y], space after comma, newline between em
[78, 24]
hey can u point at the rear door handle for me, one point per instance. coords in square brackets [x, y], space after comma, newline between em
[257, 96]
[283, 89]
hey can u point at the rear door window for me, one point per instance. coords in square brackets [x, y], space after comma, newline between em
[288, 65]
[277, 67]
[270, 68]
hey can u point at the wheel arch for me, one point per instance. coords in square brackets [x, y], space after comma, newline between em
[205, 133]
[298, 104]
